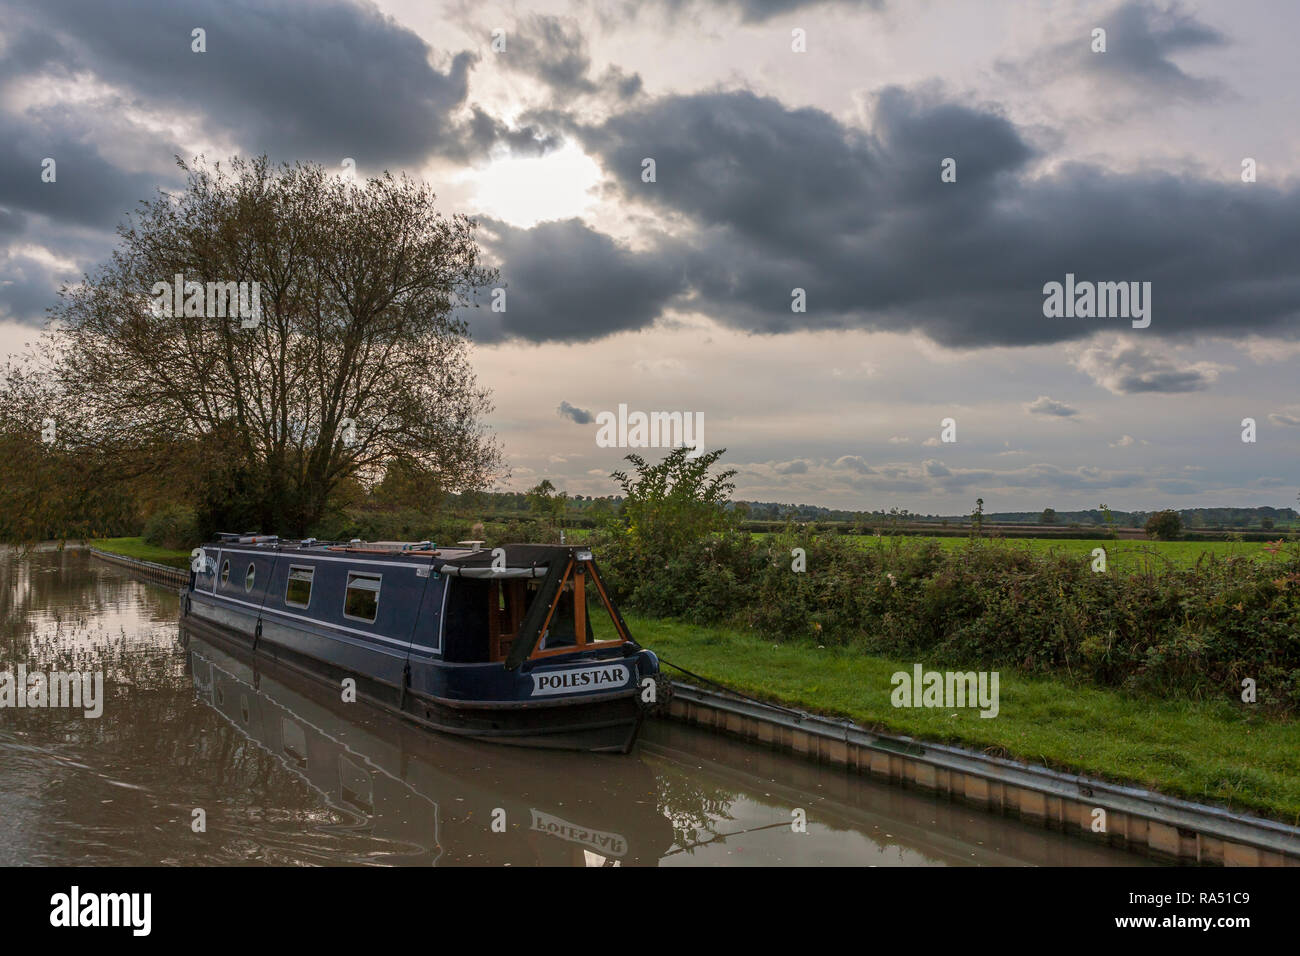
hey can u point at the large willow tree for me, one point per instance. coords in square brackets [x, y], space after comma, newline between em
[355, 364]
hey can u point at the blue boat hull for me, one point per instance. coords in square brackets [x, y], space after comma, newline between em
[480, 701]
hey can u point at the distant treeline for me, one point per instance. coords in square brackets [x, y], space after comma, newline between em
[990, 530]
[770, 512]
[1192, 517]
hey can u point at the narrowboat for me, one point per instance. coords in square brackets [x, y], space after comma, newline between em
[519, 644]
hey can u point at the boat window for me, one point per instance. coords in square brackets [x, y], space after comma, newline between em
[467, 620]
[225, 572]
[248, 578]
[361, 603]
[297, 593]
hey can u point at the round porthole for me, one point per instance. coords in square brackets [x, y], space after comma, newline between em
[249, 577]
[225, 573]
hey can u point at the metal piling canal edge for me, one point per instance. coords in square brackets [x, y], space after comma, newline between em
[149, 570]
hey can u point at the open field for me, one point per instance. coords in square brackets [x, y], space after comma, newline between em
[1209, 751]
[1131, 556]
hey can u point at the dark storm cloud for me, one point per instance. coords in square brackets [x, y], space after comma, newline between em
[791, 198]
[554, 50]
[73, 215]
[483, 131]
[565, 281]
[88, 190]
[27, 50]
[319, 82]
[577, 415]
[28, 287]
[760, 11]
[322, 81]
[1140, 39]
[29, 284]
[11, 223]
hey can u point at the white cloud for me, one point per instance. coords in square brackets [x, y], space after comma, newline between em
[853, 463]
[1289, 418]
[1043, 405]
[1125, 368]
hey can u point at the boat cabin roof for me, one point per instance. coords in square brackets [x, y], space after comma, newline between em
[535, 557]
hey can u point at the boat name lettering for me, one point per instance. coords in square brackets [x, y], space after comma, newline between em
[586, 678]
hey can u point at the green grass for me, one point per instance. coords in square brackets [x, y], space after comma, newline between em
[136, 548]
[1125, 555]
[1207, 751]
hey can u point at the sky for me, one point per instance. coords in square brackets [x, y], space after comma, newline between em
[921, 170]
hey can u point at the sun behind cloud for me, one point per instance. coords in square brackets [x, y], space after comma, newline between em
[524, 191]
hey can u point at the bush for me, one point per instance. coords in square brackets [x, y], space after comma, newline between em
[174, 528]
[1165, 525]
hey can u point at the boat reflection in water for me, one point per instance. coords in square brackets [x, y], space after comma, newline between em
[434, 799]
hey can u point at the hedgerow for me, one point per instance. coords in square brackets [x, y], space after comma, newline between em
[1200, 631]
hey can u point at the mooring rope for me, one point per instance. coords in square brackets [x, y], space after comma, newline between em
[723, 836]
[754, 700]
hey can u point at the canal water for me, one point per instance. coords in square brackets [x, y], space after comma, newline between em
[201, 758]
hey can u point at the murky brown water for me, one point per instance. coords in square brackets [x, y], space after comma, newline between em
[286, 774]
